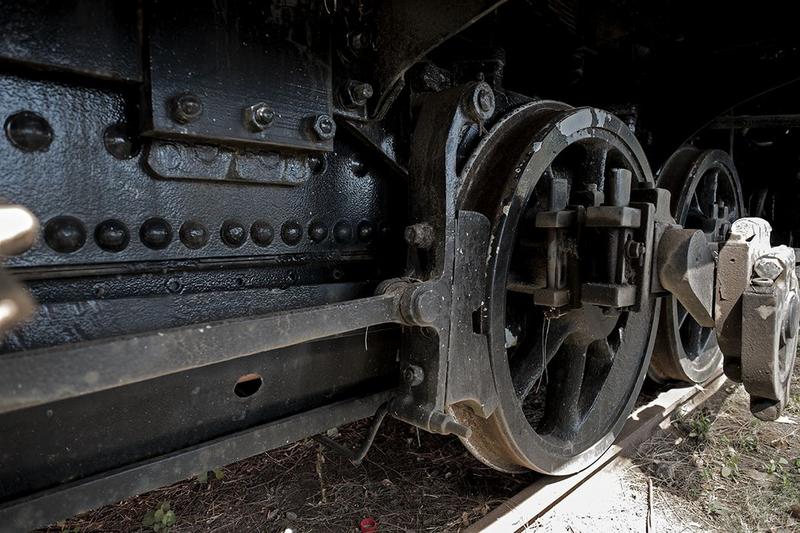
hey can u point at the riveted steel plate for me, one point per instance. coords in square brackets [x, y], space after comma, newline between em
[231, 55]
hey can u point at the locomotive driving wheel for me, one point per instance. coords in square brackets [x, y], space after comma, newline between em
[706, 195]
[567, 374]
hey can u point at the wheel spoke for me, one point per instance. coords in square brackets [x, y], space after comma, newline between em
[707, 336]
[682, 314]
[600, 354]
[694, 337]
[530, 360]
[596, 163]
[563, 412]
[713, 189]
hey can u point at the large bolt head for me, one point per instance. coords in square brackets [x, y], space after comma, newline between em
[634, 249]
[324, 127]
[480, 102]
[259, 116]
[358, 93]
[426, 306]
[413, 375]
[768, 267]
[186, 108]
[29, 132]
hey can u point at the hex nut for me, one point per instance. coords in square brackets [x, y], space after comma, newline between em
[768, 267]
[634, 249]
[324, 127]
[259, 116]
[357, 93]
[413, 375]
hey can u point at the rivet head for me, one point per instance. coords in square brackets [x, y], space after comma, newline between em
[324, 127]
[233, 233]
[317, 163]
[343, 231]
[29, 132]
[366, 231]
[119, 142]
[64, 234]
[317, 231]
[262, 233]
[111, 235]
[259, 116]
[186, 107]
[193, 234]
[291, 232]
[156, 233]
[174, 286]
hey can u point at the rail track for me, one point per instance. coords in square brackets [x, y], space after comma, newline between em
[534, 501]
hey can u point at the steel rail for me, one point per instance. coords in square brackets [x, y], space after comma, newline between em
[532, 502]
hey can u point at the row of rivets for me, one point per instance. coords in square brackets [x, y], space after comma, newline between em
[67, 234]
[30, 132]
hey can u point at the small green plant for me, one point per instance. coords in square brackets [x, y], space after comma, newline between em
[747, 443]
[712, 507]
[730, 467]
[771, 467]
[162, 519]
[699, 426]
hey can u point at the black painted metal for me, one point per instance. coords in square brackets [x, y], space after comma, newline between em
[142, 235]
[406, 30]
[566, 378]
[231, 55]
[77, 177]
[99, 38]
[84, 494]
[40, 377]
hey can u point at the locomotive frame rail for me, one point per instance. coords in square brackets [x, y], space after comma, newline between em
[86, 494]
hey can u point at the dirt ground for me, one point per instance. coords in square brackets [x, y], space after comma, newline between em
[717, 469]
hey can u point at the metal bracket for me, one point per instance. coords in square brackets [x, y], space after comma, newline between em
[468, 362]
[433, 188]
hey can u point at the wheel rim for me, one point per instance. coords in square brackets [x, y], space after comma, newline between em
[567, 383]
[699, 181]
